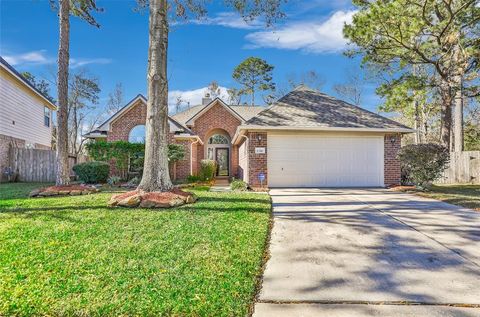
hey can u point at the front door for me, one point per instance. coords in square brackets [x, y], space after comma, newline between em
[221, 156]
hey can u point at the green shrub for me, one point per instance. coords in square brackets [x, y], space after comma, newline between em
[423, 163]
[113, 180]
[92, 172]
[128, 157]
[207, 169]
[193, 179]
[134, 182]
[238, 185]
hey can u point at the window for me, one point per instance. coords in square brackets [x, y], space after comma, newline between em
[137, 134]
[218, 139]
[210, 154]
[46, 116]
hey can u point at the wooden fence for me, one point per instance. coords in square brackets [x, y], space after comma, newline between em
[32, 165]
[464, 168]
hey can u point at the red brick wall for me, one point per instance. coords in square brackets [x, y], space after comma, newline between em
[121, 127]
[217, 117]
[392, 172]
[183, 166]
[257, 163]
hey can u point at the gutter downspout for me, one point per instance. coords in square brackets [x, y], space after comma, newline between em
[248, 163]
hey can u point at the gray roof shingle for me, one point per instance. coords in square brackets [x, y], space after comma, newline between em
[304, 107]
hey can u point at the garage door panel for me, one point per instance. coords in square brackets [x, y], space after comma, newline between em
[325, 161]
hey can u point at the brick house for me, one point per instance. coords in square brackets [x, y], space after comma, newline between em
[25, 115]
[305, 139]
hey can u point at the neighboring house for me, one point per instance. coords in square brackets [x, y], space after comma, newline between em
[305, 139]
[25, 114]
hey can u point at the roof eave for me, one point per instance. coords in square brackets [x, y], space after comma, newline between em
[17, 75]
[191, 121]
[242, 128]
[188, 137]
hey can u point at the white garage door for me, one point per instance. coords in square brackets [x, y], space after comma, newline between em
[325, 160]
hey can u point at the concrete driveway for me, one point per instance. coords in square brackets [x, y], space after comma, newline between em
[370, 252]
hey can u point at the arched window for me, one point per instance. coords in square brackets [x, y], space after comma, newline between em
[218, 139]
[137, 134]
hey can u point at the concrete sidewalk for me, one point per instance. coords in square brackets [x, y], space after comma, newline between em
[369, 246]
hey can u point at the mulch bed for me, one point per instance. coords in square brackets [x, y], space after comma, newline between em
[67, 190]
[402, 188]
[174, 198]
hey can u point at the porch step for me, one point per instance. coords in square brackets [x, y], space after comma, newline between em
[222, 182]
[221, 185]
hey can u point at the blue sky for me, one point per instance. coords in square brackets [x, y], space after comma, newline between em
[309, 38]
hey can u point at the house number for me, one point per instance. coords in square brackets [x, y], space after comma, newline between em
[259, 150]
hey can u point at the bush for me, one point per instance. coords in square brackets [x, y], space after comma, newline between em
[113, 180]
[92, 172]
[193, 178]
[238, 185]
[133, 182]
[423, 163]
[119, 152]
[207, 169]
[128, 157]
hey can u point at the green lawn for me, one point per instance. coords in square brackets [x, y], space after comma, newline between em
[74, 256]
[462, 195]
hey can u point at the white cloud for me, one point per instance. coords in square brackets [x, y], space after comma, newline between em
[74, 63]
[312, 37]
[194, 97]
[229, 20]
[34, 57]
[41, 58]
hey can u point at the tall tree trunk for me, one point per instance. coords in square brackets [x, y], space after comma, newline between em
[458, 101]
[458, 65]
[458, 121]
[417, 123]
[155, 171]
[446, 114]
[63, 173]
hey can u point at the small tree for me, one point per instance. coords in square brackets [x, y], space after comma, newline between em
[254, 74]
[176, 152]
[115, 99]
[83, 96]
[424, 163]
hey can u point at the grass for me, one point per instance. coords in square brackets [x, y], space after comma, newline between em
[462, 195]
[74, 256]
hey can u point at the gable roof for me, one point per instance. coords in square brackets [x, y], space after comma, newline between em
[102, 129]
[9, 68]
[307, 108]
[210, 105]
[245, 112]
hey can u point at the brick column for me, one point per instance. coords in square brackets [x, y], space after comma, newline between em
[392, 171]
[257, 163]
